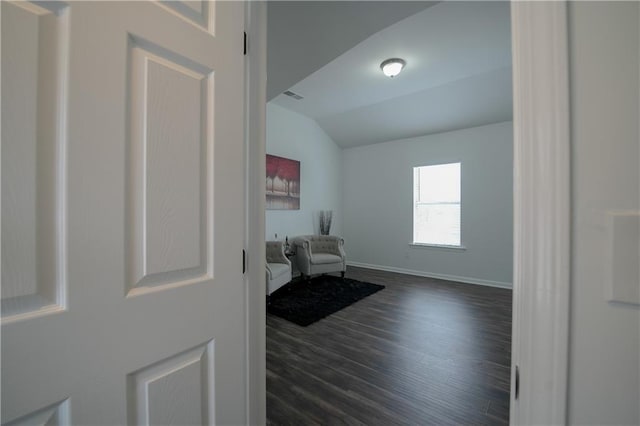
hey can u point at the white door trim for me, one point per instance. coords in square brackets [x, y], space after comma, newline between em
[255, 146]
[541, 212]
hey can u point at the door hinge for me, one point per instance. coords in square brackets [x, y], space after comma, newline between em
[245, 42]
[517, 383]
[244, 261]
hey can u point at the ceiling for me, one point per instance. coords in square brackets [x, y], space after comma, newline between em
[458, 75]
[303, 36]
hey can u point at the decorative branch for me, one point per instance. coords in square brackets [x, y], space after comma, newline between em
[325, 221]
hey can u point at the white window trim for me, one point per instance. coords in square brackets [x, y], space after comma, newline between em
[437, 246]
[413, 206]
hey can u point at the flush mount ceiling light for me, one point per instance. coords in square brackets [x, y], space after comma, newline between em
[392, 67]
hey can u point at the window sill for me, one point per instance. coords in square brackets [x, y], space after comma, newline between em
[437, 246]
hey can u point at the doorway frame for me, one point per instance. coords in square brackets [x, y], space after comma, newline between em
[255, 201]
[541, 281]
[542, 212]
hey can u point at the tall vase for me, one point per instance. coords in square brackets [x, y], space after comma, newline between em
[325, 217]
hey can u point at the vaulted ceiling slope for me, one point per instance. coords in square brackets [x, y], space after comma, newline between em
[458, 75]
[303, 36]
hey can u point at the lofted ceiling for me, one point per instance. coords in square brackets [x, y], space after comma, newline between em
[303, 36]
[458, 75]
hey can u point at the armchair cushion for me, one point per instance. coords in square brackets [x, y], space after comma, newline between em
[324, 258]
[275, 252]
[276, 270]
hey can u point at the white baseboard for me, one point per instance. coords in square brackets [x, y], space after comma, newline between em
[466, 280]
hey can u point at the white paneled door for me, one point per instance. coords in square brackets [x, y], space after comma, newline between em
[122, 213]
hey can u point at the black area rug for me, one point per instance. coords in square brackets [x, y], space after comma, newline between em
[305, 302]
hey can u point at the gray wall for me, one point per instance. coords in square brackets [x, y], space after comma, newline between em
[604, 380]
[378, 197]
[297, 137]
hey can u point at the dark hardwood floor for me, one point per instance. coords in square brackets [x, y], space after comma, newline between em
[421, 351]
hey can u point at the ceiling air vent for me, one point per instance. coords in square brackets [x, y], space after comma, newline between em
[293, 95]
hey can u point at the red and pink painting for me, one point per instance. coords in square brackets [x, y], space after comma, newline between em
[283, 183]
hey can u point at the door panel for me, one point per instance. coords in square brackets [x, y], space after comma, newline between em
[185, 380]
[54, 415]
[137, 208]
[169, 186]
[33, 110]
[200, 13]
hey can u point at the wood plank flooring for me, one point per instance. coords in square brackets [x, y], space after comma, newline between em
[421, 351]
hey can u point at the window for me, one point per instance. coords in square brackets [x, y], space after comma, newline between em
[436, 205]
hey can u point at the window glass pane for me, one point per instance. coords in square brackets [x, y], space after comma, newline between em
[439, 184]
[436, 214]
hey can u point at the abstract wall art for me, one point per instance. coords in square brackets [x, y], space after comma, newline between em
[283, 183]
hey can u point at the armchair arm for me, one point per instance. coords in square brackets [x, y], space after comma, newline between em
[302, 243]
[303, 254]
[343, 255]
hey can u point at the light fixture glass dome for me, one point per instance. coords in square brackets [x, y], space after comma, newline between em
[392, 67]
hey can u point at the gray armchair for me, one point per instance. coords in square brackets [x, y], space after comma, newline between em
[320, 254]
[278, 266]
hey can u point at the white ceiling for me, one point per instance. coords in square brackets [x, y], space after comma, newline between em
[302, 36]
[458, 75]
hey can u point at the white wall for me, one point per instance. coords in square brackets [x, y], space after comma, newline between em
[378, 197]
[604, 375]
[297, 137]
